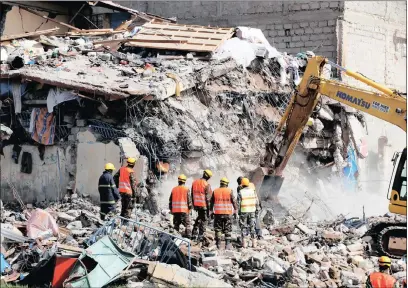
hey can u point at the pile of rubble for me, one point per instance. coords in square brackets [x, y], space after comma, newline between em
[290, 253]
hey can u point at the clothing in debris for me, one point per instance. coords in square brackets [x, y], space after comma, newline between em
[108, 193]
[42, 126]
[180, 204]
[126, 180]
[201, 194]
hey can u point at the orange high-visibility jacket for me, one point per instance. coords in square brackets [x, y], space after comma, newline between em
[381, 280]
[179, 199]
[222, 201]
[199, 192]
[124, 180]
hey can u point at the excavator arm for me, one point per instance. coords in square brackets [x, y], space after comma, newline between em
[385, 104]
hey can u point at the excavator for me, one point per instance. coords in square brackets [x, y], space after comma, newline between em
[385, 103]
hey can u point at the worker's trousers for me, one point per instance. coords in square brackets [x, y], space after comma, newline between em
[222, 225]
[200, 223]
[247, 223]
[182, 218]
[106, 209]
[127, 205]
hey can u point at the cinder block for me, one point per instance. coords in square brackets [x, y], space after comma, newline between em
[324, 5]
[317, 30]
[295, 38]
[322, 23]
[309, 30]
[313, 24]
[305, 7]
[299, 31]
[327, 49]
[328, 29]
[304, 24]
[296, 26]
[281, 33]
[314, 37]
[331, 22]
[278, 26]
[287, 26]
[314, 5]
[293, 44]
[334, 4]
[310, 43]
[299, 44]
[305, 37]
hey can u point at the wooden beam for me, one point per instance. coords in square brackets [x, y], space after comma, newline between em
[30, 34]
[48, 18]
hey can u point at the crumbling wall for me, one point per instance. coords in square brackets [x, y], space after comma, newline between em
[46, 182]
[91, 158]
[20, 21]
[289, 26]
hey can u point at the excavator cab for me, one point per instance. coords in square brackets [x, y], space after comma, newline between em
[398, 183]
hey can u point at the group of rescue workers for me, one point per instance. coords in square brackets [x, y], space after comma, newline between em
[220, 205]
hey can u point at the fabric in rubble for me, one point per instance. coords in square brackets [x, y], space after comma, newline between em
[16, 90]
[42, 126]
[3, 264]
[99, 265]
[41, 224]
[26, 163]
[57, 96]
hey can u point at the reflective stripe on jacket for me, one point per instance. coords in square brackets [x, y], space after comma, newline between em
[381, 280]
[222, 201]
[124, 180]
[179, 199]
[199, 197]
[107, 189]
[248, 201]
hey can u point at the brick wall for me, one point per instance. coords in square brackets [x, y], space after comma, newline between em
[289, 26]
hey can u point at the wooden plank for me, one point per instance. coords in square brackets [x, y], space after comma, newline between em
[125, 24]
[48, 18]
[69, 248]
[204, 34]
[172, 46]
[30, 34]
[97, 30]
[80, 33]
[180, 27]
[189, 39]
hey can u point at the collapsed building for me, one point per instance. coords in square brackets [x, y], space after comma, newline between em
[182, 98]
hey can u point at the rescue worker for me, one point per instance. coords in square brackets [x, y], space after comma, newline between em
[108, 192]
[127, 187]
[258, 224]
[239, 179]
[201, 195]
[382, 279]
[180, 204]
[248, 212]
[223, 204]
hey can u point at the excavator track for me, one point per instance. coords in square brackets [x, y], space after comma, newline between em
[383, 240]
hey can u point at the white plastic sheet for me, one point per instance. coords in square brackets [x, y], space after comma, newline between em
[57, 96]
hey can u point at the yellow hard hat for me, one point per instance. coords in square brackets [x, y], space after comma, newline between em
[109, 166]
[245, 182]
[224, 180]
[252, 186]
[384, 261]
[131, 160]
[208, 172]
[182, 178]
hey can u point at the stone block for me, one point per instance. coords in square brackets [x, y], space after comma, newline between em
[309, 30]
[332, 235]
[299, 31]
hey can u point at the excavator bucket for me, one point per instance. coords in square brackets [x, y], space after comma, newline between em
[267, 185]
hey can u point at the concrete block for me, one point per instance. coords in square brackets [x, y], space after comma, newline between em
[314, 23]
[314, 37]
[314, 5]
[293, 237]
[328, 30]
[317, 30]
[334, 4]
[281, 33]
[80, 122]
[278, 27]
[327, 49]
[331, 23]
[299, 31]
[305, 229]
[309, 30]
[296, 26]
[324, 5]
[304, 24]
[295, 38]
[305, 6]
[355, 247]
[287, 26]
[322, 23]
[333, 235]
[305, 38]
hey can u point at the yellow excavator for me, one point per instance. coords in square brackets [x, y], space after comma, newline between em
[385, 103]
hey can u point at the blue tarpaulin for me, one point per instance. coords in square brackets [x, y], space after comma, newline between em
[350, 170]
[3, 264]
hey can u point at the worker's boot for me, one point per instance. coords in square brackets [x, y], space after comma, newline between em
[244, 242]
[218, 243]
[254, 242]
[228, 245]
